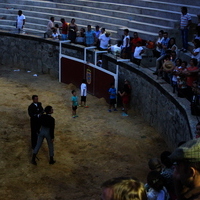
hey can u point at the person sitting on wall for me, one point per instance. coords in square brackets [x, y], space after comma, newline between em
[50, 28]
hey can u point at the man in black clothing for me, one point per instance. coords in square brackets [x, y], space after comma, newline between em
[46, 131]
[34, 111]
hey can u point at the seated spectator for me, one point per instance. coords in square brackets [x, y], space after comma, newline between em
[55, 35]
[198, 28]
[175, 74]
[134, 42]
[196, 51]
[72, 31]
[157, 51]
[50, 28]
[89, 36]
[172, 45]
[167, 69]
[125, 53]
[64, 29]
[123, 188]
[137, 55]
[157, 190]
[155, 164]
[57, 30]
[181, 80]
[164, 45]
[104, 41]
[80, 38]
[116, 49]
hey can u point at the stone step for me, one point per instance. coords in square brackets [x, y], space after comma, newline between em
[167, 2]
[107, 12]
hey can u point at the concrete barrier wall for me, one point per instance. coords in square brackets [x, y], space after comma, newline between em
[154, 99]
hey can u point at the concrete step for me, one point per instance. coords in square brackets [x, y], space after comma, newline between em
[107, 12]
[181, 2]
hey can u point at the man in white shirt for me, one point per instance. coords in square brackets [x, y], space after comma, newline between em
[20, 21]
[50, 28]
[104, 40]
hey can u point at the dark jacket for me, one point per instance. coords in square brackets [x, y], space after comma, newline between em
[49, 122]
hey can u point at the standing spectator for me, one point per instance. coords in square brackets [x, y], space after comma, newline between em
[137, 55]
[50, 28]
[74, 100]
[167, 173]
[134, 42]
[164, 45]
[34, 111]
[80, 36]
[83, 93]
[187, 170]
[123, 188]
[196, 51]
[89, 36]
[72, 31]
[20, 21]
[192, 74]
[112, 92]
[126, 45]
[185, 23]
[104, 41]
[197, 130]
[46, 131]
[125, 95]
[97, 31]
[157, 51]
[64, 29]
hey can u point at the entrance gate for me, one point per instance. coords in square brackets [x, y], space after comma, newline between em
[73, 70]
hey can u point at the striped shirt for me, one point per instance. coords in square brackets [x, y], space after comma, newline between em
[184, 20]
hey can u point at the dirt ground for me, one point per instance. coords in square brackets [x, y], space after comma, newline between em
[90, 149]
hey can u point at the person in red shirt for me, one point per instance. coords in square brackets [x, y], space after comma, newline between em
[64, 29]
[134, 41]
[192, 75]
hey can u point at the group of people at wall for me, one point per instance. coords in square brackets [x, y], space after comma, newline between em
[69, 31]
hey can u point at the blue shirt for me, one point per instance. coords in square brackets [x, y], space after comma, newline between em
[165, 43]
[113, 93]
[74, 100]
[89, 37]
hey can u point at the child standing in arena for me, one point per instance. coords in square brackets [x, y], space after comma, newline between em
[83, 93]
[74, 100]
[112, 91]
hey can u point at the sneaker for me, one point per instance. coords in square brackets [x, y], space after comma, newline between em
[86, 106]
[115, 109]
[74, 116]
[80, 106]
[109, 110]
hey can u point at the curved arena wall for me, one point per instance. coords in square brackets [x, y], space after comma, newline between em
[153, 98]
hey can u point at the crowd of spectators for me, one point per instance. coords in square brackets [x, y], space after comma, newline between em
[172, 176]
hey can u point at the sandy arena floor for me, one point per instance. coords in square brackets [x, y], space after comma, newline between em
[90, 149]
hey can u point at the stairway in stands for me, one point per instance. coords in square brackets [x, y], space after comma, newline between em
[146, 17]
